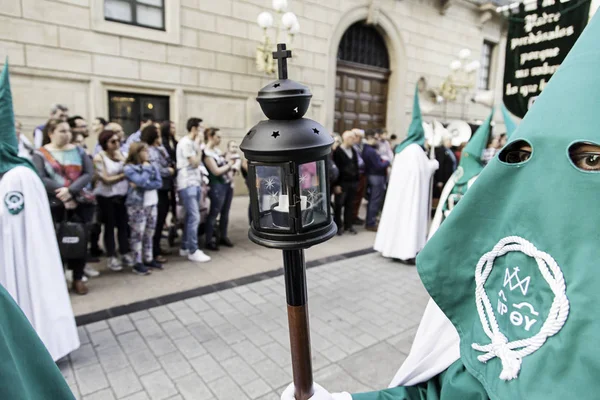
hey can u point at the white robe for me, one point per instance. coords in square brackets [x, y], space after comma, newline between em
[402, 229]
[437, 344]
[31, 269]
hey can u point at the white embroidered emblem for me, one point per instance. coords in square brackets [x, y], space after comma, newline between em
[512, 353]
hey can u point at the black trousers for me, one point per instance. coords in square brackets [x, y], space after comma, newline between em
[345, 202]
[114, 215]
[83, 214]
[164, 203]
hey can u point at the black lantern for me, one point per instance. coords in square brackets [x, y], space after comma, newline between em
[289, 197]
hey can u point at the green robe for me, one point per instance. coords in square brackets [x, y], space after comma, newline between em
[455, 383]
[27, 371]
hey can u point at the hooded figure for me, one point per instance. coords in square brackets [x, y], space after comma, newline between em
[31, 269]
[403, 226]
[521, 292]
[469, 168]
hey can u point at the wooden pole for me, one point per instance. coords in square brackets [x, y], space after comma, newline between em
[294, 269]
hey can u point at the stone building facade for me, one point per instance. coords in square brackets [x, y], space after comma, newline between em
[203, 62]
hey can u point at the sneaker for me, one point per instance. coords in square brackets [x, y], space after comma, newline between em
[351, 231]
[153, 264]
[90, 272]
[184, 253]
[114, 264]
[198, 256]
[127, 261]
[141, 269]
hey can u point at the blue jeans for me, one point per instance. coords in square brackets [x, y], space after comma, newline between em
[376, 195]
[190, 198]
[220, 195]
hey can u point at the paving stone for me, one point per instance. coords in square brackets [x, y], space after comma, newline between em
[124, 382]
[225, 388]
[132, 342]
[149, 328]
[137, 396]
[192, 387]
[257, 388]
[161, 314]
[103, 339]
[143, 362]
[175, 329]
[241, 372]
[161, 346]
[273, 374]
[219, 349]
[202, 332]
[189, 347]
[105, 394]
[277, 353]
[112, 358]
[212, 318]
[198, 304]
[83, 336]
[249, 352]
[158, 385]
[90, 379]
[121, 324]
[175, 365]
[187, 316]
[96, 326]
[207, 368]
[139, 315]
[83, 356]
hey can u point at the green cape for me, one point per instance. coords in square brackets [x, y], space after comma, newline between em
[515, 265]
[27, 371]
[9, 146]
[416, 133]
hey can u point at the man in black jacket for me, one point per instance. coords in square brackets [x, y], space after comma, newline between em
[346, 159]
[376, 171]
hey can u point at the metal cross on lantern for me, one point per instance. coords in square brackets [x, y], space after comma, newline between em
[288, 158]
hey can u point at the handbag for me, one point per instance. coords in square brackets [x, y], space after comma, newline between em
[72, 238]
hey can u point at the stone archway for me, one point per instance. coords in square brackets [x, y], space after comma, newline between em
[395, 116]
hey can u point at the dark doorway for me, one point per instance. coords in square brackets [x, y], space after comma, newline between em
[127, 109]
[361, 79]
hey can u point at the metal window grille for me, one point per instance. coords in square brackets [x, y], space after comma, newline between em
[486, 66]
[144, 13]
[363, 44]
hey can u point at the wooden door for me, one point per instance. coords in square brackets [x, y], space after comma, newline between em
[360, 96]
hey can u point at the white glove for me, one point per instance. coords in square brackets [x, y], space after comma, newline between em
[320, 394]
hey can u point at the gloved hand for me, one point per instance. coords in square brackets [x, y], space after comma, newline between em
[320, 394]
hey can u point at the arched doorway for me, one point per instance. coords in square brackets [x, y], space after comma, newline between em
[363, 69]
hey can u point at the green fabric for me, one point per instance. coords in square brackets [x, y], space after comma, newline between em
[470, 163]
[509, 123]
[416, 133]
[551, 204]
[455, 383]
[27, 371]
[9, 146]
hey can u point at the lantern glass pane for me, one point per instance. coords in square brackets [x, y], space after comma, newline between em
[313, 196]
[273, 202]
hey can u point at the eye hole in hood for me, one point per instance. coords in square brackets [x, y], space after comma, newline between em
[517, 152]
[585, 156]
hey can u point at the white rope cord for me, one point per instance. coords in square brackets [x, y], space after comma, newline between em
[512, 353]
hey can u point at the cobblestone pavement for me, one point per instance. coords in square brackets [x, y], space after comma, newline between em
[234, 344]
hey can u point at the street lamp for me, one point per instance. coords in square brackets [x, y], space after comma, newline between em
[289, 198]
[287, 20]
[461, 78]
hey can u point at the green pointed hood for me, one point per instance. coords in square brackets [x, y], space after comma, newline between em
[470, 163]
[509, 123]
[515, 265]
[9, 146]
[416, 133]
